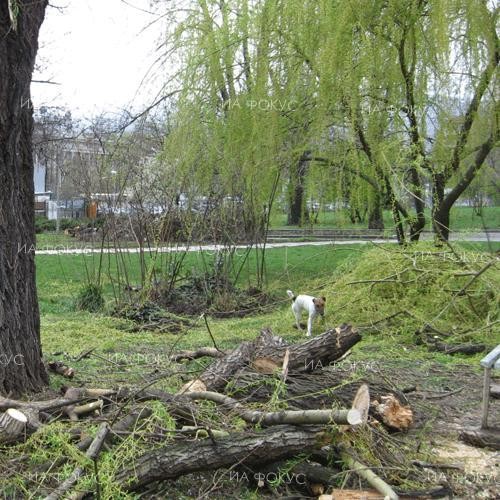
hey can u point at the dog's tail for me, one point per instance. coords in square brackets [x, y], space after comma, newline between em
[291, 294]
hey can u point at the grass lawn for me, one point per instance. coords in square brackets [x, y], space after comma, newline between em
[388, 355]
[462, 219]
[302, 269]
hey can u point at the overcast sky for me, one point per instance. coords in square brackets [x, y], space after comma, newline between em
[99, 52]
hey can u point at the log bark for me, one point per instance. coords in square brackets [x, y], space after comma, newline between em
[12, 426]
[304, 391]
[124, 424]
[369, 476]
[269, 349]
[250, 449]
[211, 352]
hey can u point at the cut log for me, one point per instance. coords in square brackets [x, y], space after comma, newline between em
[369, 476]
[306, 391]
[61, 369]
[338, 494]
[302, 417]
[250, 449]
[314, 473]
[456, 348]
[495, 391]
[12, 426]
[361, 402]
[310, 355]
[73, 412]
[124, 424]
[482, 438]
[179, 407]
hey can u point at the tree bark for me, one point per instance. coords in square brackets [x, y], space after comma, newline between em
[442, 211]
[250, 449]
[21, 367]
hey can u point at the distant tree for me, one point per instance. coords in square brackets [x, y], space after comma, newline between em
[21, 367]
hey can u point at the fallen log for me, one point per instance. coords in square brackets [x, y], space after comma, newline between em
[250, 449]
[456, 348]
[392, 413]
[495, 391]
[318, 390]
[267, 352]
[302, 474]
[12, 425]
[482, 438]
[124, 424]
[73, 412]
[179, 407]
[369, 476]
[300, 417]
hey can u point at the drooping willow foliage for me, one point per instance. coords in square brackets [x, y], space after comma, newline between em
[374, 103]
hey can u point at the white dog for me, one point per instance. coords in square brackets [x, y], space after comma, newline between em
[314, 306]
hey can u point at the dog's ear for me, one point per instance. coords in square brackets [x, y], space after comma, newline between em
[324, 299]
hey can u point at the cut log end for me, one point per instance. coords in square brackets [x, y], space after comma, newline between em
[354, 417]
[12, 425]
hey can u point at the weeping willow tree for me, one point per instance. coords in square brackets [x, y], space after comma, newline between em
[412, 85]
[239, 126]
[392, 98]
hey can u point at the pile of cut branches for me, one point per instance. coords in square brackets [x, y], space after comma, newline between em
[148, 316]
[267, 414]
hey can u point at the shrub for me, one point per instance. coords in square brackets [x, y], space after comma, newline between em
[43, 224]
[90, 298]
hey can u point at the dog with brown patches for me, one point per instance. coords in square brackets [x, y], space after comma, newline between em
[314, 306]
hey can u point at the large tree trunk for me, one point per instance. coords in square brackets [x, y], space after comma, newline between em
[21, 367]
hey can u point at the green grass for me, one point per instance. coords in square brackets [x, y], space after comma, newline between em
[462, 219]
[302, 269]
[124, 358]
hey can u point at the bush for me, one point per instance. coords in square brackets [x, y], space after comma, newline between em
[70, 223]
[90, 298]
[43, 224]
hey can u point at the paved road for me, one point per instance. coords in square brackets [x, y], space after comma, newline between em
[61, 249]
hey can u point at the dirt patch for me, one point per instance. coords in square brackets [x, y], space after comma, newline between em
[446, 399]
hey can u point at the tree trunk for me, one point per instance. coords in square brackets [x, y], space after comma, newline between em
[249, 448]
[442, 212]
[266, 353]
[375, 215]
[21, 367]
[440, 221]
[297, 212]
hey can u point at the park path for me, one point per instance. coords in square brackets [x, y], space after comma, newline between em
[84, 249]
